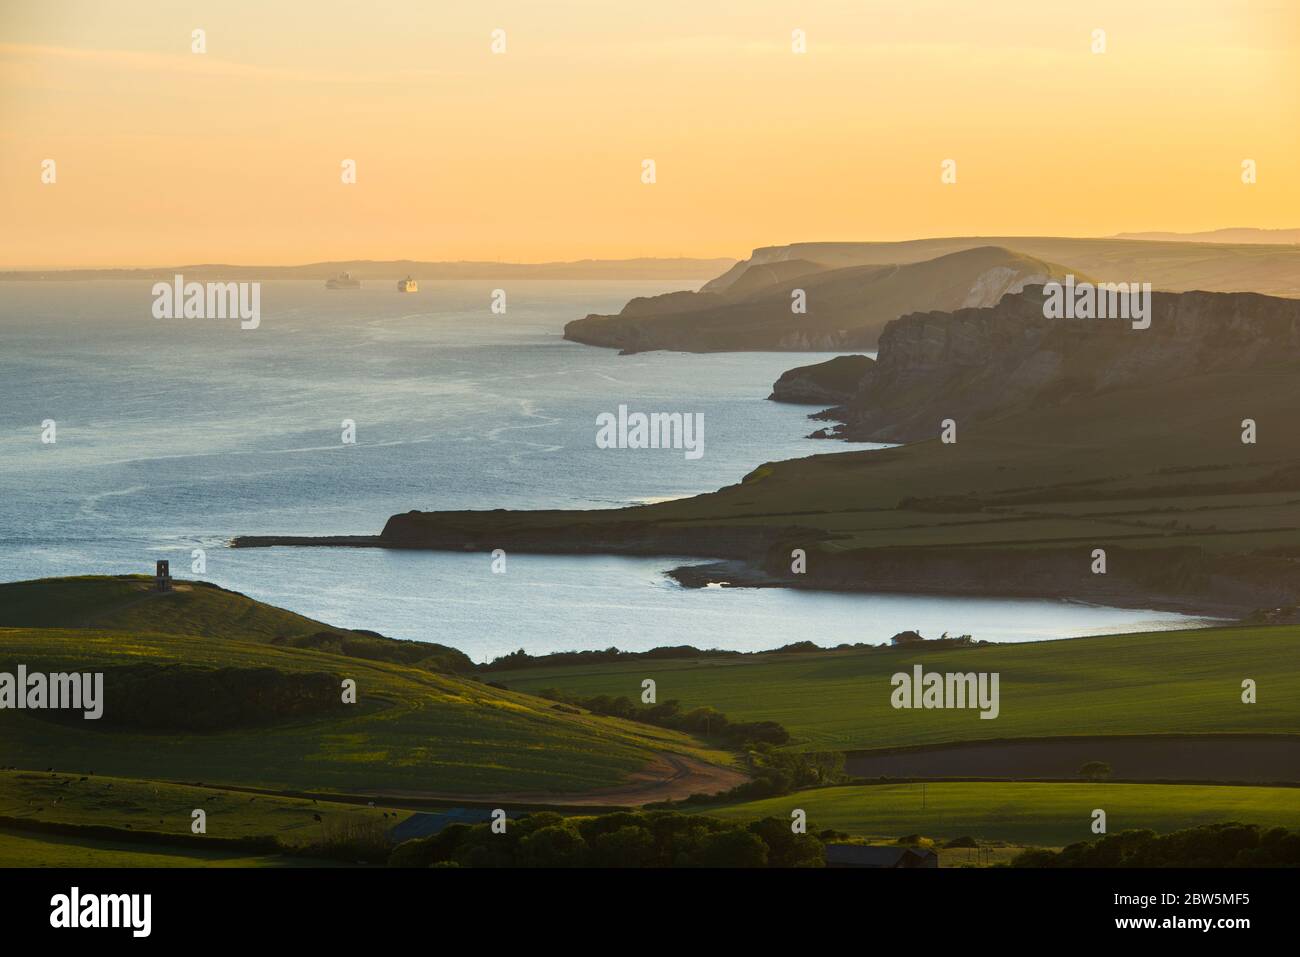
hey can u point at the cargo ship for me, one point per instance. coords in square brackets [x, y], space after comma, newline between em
[407, 285]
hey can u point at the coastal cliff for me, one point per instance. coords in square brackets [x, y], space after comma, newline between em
[824, 383]
[974, 363]
[1079, 442]
[800, 305]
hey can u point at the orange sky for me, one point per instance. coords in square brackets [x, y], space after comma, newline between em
[167, 157]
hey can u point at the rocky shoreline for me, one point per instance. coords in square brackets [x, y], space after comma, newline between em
[1053, 468]
[1181, 580]
[740, 574]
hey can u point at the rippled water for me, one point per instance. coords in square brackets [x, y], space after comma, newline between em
[177, 434]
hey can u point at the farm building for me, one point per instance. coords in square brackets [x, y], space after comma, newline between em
[422, 824]
[867, 855]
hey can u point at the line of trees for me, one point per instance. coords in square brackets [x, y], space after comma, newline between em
[521, 659]
[775, 773]
[622, 839]
[1210, 845]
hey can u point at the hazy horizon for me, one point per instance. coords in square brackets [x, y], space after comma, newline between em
[1137, 235]
[535, 154]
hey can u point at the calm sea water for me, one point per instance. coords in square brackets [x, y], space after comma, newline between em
[178, 434]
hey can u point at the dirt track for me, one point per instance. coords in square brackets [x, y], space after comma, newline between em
[668, 777]
[1253, 759]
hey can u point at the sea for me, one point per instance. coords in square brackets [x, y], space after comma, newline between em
[174, 435]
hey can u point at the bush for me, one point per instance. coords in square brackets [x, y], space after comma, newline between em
[731, 848]
[557, 845]
[619, 839]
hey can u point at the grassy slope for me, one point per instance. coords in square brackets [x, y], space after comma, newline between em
[1163, 682]
[412, 730]
[1134, 449]
[130, 603]
[1152, 456]
[24, 849]
[166, 808]
[146, 806]
[127, 602]
[1049, 815]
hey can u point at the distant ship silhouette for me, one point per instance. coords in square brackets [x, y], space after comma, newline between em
[342, 281]
[407, 285]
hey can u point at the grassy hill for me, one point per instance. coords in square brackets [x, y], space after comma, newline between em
[1024, 813]
[1155, 683]
[71, 820]
[1273, 269]
[412, 730]
[201, 609]
[20, 848]
[165, 808]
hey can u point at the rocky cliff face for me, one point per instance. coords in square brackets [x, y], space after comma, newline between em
[825, 383]
[972, 363]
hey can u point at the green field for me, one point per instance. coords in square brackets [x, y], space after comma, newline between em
[1159, 682]
[22, 849]
[165, 808]
[1024, 813]
[423, 735]
[139, 808]
[411, 730]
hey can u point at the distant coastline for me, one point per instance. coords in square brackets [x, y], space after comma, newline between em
[364, 269]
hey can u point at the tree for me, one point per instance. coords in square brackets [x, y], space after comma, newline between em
[1095, 770]
[731, 848]
[787, 849]
[557, 845]
[628, 846]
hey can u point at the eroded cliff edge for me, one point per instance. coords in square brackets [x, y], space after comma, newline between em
[1071, 436]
